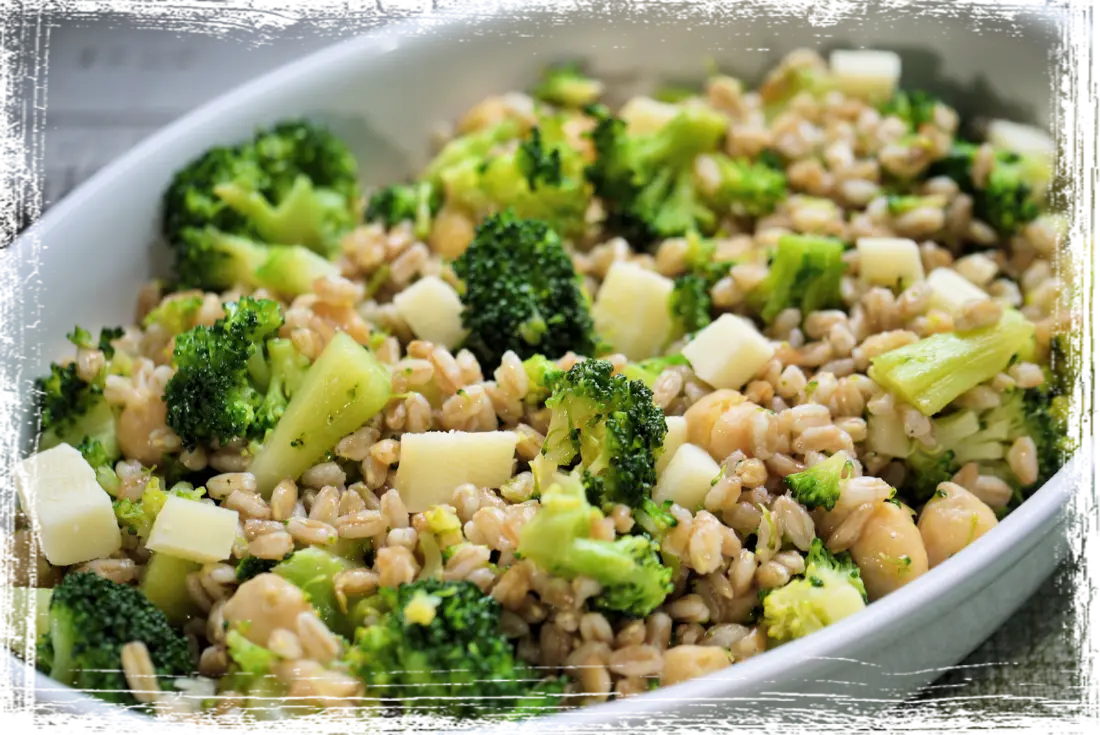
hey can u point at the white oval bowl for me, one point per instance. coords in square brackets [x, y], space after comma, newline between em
[385, 92]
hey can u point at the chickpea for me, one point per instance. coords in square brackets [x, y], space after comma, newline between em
[889, 552]
[734, 430]
[452, 232]
[702, 416]
[687, 662]
[135, 430]
[952, 520]
[265, 603]
[22, 562]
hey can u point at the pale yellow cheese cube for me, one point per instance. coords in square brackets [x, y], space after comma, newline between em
[73, 514]
[1027, 140]
[644, 115]
[728, 352]
[950, 291]
[676, 434]
[432, 464]
[871, 75]
[688, 477]
[889, 261]
[631, 311]
[193, 530]
[433, 311]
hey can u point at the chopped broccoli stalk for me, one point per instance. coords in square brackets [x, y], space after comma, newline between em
[313, 570]
[739, 186]
[819, 486]
[27, 623]
[913, 107]
[250, 674]
[647, 181]
[91, 619]
[176, 314]
[566, 85]
[164, 583]
[650, 369]
[342, 390]
[293, 269]
[609, 424]
[830, 590]
[437, 647]
[216, 393]
[417, 203]
[1007, 200]
[804, 273]
[933, 372]
[629, 569]
[521, 293]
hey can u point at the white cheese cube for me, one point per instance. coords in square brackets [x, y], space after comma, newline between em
[433, 311]
[950, 291]
[192, 530]
[886, 436]
[631, 311]
[728, 352]
[866, 74]
[687, 479]
[889, 261]
[1026, 140]
[73, 514]
[676, 435]
[644, 115]
[433, 464]
[24, 618]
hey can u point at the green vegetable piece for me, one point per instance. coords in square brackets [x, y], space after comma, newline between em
[830, 590]
[805, 273]
[164, 584]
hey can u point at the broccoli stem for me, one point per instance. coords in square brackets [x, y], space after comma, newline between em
[165, 585]
[292, 269]
[933, 372]
[344, 388]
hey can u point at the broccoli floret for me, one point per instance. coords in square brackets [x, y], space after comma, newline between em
[913, 107]
[656, 520]
[690, 303]
[805, 273]
[250, 674]
[82, 338]
[538, 177]
[521, 293]
[417, 203]
[136, 517]
[650, 369]
[74, 412]
[292, 184]
[739, 186]
[437, 647]
[223, 388]
[830, 590]
[629, 569]
[819, 486]
[647, 181]
[609, 424]
[176, 314]
[540, 371]
[251, 566]
[96, 455]
[566, 85]
[1007, 199]
[91, 619]
[933, 372]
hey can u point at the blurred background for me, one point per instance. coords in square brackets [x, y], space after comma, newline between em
[110, 81]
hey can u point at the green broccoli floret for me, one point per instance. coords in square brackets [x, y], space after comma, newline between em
[292, 184]
[609, 424]
[102, 462]
[830, 590]
[175, 315]
[933, 372]
[230, 382]
[819, 486]
[251, 566]
[538, 177]
[540, 371]
[91, 619]
[521, 293]
[629, 569]
[136, 517]
[739, 186]
[436, 647]
[647, 181]
[83, 338]
[690, 303]
[805, 273]
[251, 675]
[74, 412]
[417, 202]
[914, 107]
[1007, 200]
[650, 369]
[566, 85]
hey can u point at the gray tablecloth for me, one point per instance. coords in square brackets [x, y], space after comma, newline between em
[107, 88]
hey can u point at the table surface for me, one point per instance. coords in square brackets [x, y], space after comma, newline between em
[109, 87]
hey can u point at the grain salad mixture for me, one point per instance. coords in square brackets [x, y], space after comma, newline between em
[601, 401]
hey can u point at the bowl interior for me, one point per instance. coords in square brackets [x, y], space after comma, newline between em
[386, 92]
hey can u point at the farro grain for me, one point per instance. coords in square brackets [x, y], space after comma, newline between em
[141, 675]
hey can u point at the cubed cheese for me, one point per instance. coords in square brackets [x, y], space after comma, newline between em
[676, 434]
[644, 115]
[889, 261]
[950, 291]
[433, 311]
[1023, 139]
[886, 436]
[631, 311]
[432, 464]
[75, 520]
[24, 618]
[193, 530]
[728, 352]
[868, 74]
[687, 479]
